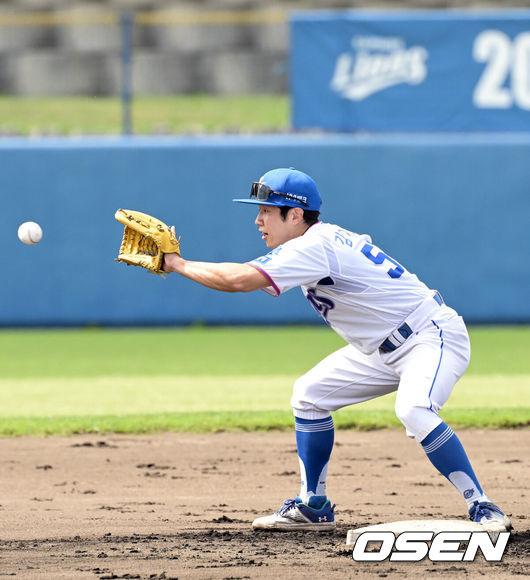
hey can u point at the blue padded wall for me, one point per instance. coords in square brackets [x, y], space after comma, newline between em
[453, 209]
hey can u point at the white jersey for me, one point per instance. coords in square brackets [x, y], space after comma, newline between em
[360, 291]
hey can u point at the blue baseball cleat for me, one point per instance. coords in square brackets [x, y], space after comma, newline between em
[490, 516]
[296, 515]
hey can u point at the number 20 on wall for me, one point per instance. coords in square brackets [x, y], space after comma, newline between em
[505, 81]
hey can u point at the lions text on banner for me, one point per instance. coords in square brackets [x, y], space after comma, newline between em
[411, 71]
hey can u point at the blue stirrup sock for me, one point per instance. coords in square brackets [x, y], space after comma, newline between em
[447, 454]
[314, 440]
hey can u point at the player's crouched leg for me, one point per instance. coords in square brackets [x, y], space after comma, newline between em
[311, 509]
[445, 451]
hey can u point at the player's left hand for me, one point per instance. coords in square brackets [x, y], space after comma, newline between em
[171, 262]
[146, 240]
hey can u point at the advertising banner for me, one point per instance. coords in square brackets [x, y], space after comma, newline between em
[411, 71]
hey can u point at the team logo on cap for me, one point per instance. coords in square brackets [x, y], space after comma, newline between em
[299, 197]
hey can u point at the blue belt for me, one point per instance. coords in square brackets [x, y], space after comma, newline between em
[405, 330]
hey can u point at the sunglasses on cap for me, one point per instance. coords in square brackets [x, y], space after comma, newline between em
[262, 192]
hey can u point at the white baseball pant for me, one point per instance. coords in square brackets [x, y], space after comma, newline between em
[423, 370]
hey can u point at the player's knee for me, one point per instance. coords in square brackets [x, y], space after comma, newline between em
[403, 412]
[409, 415]
[303, 399]
[417, 420]
[299, 398]
[307, 400]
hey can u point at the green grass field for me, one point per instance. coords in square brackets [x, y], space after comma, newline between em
[207, 379]
[177, 114]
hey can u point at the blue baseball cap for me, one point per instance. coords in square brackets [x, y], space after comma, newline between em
[285, 187]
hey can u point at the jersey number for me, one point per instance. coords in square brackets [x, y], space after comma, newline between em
[381, 258]
[320, 304]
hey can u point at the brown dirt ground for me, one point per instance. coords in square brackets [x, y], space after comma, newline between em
[180, 505]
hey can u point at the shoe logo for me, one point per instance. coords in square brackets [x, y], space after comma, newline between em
[323, 518]
[377, 63]
[469, 492]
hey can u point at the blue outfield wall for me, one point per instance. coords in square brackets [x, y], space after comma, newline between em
[453, 209]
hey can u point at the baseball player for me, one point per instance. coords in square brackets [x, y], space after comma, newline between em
[400, 336]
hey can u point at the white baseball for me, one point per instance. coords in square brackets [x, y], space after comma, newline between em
[30, 233]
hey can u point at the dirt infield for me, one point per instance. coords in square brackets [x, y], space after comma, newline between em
[180, 506]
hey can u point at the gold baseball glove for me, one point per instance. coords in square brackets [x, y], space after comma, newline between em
[145, 241]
